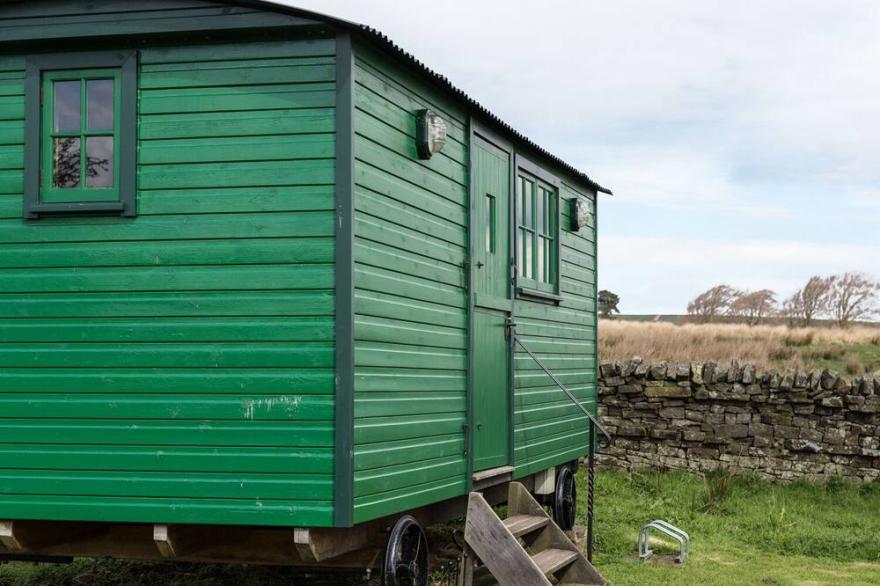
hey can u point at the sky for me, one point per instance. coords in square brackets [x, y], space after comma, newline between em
[741, 139]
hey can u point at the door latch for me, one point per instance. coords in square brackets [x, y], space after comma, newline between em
[509, 327]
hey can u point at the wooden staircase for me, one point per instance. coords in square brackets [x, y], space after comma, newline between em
[525, 549]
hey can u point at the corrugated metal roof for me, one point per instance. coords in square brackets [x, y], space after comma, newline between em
[381, 39]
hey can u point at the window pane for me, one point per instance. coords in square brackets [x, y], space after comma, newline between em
[541, 259]
[490, 223]
[528, 204]
[67, 106]
[548, 212]
[100, 104]
[99, 150]
[529, 245]
[540, 212]
[521, 243]
[66, 158]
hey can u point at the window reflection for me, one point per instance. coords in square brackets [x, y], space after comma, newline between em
[67, 155]
[67, 106]
[99, 153]
[100, 104]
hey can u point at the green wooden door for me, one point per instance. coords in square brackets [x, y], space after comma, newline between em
[490, 209]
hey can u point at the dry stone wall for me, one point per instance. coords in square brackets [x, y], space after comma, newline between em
[778, 425]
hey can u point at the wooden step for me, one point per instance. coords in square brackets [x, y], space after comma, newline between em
[520, 525]
[552, 560]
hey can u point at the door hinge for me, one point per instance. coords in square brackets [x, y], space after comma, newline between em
[465, 429]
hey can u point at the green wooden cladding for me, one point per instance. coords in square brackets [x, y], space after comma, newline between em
[410, 297]
[548, 428]
[179, 367]
[183, 367]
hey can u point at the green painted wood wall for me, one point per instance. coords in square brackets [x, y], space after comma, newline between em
[410, 298]
[411, 241]
[179, 366]
[548, 428]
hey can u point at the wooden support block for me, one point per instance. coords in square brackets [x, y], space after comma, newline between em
[8, 538]
[318, 545]
[164, 542]
[302, 539]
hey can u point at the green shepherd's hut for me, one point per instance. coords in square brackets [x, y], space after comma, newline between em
[261, 269]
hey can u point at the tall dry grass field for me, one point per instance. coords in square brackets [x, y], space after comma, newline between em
[854, 351]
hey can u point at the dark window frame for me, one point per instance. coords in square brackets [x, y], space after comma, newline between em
[529, 288]
[36, 65]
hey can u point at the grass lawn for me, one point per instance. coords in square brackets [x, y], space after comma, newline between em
[743, 531]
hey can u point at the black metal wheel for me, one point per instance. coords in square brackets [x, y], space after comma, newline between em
[406, 555]
[565, 500]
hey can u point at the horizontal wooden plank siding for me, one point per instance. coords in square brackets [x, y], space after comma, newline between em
[410, 297]
[548, 428]
[178, 367]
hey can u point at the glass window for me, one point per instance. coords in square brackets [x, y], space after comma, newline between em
[81, 144]
[490, 223]
[80, 134]
[537, 233]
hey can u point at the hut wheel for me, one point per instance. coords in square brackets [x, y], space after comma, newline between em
[406, 555]
[565, 500]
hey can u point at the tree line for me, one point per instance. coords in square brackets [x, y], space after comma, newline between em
[845, 299]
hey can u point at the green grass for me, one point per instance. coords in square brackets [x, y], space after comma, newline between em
[743, 531]
[849, 359]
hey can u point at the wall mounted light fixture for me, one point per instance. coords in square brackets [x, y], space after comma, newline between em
[580, 213]
[430, 133]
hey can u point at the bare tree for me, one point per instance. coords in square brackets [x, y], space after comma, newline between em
[608, 303]
[852, 298]
[712, 303]
[754, 306]
[810, 302]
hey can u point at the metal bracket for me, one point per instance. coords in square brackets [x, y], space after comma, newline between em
[509, 327]
[668, 529]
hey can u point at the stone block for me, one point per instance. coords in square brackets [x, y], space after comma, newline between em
[632, 431]
[734, 431]
[693, 435]
[703, 453]
[657, 371]
[829, 379]
[697, 373]
[833, 402]
[666, 390]
[665, 434]
[669, 413]
[787, 431]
